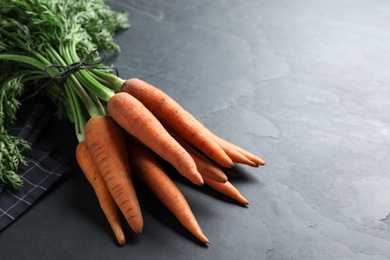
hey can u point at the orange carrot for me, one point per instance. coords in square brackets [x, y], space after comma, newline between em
[236, 153]
[139, 122]
[227, 146]
[146, 168]
[165, 107]
[237, 156]
[227, 189]
[178, 120]
[107, 203]
[205, 167]
[106, 143]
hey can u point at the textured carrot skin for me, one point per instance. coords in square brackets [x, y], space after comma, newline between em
[177, 119]
[204, 165]
[106, 143]
[139, 122]
[227, 189]
[146, 168]
[107, 203]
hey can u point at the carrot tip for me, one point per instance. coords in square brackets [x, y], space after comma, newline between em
[261, 162]
[137, 229]
[252, 164]
[198, 180]
[205, 240]
[122, 242]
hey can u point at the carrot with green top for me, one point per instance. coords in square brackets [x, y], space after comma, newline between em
[139, 122]
[106, 143]
[176, 119]
[146, 168]
[107, 203]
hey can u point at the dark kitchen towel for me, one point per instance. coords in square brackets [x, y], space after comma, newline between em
[44, 167]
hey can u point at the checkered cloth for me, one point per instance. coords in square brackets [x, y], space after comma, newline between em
[44, 166]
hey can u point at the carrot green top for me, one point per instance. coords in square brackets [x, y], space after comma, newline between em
[49, 46]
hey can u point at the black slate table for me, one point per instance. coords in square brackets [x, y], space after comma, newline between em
[303, 84]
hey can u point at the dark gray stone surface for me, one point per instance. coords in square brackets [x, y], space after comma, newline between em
[304, 84]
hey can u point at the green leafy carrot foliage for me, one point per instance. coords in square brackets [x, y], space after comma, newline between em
[39, 40]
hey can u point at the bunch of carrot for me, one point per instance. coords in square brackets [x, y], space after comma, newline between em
[144, 122]
[52, 48]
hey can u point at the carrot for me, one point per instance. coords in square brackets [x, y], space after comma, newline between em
[165, 108]
[178, 120]
[227, 146]
[106, 143]
[234, 154]
[227, 189]
[146, 168]
[205, 167]
[139, 122]
[107, 203]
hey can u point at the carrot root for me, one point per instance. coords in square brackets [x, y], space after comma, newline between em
[106, 143]
[148, 170]
[177, 119]
[187, 127]
[227, 189]
[236, 156]
[205, 167]
[107, 203]
[139, 122]
[230, 148]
